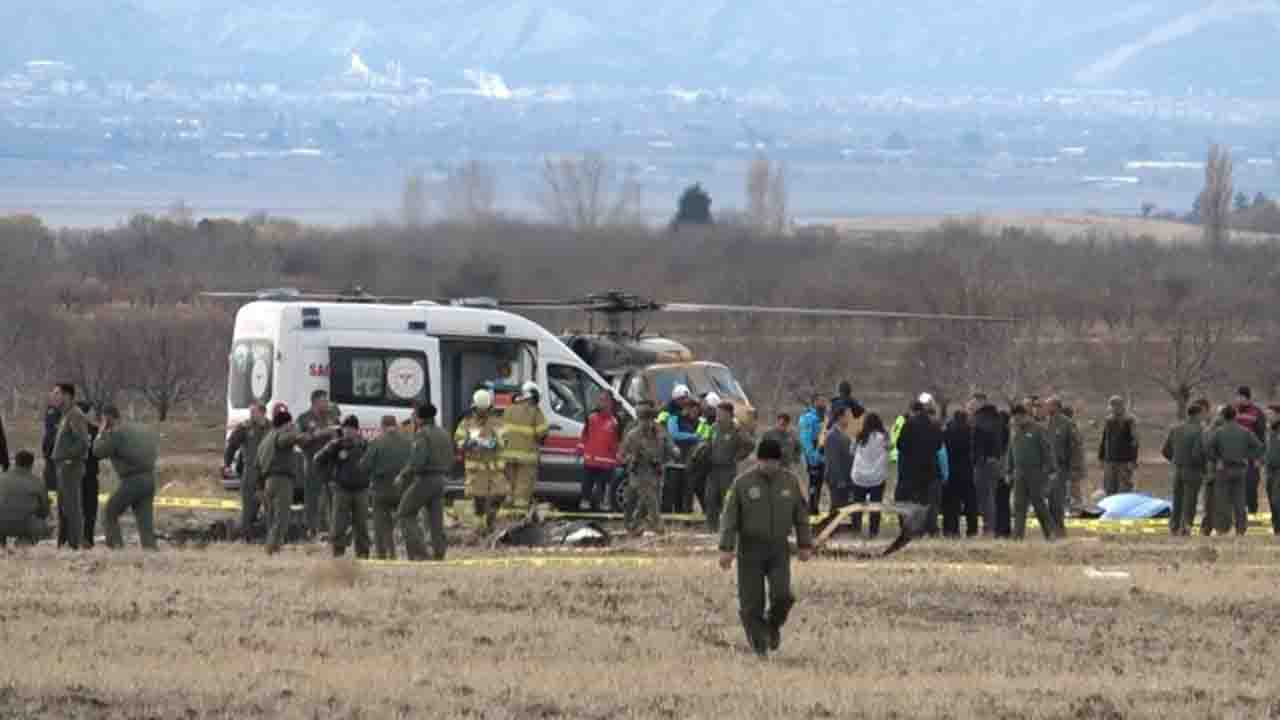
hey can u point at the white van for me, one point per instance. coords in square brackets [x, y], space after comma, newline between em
[377, 359]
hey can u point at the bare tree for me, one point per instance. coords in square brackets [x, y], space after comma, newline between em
[1215, 198]
[767, 195]
[413, 202]
[576, 192]
[471, 192]
[95, 355]
[173, 359]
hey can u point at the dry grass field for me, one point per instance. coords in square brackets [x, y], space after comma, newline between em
[1062, 226]
[957, 630]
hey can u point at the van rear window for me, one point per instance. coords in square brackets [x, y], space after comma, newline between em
[370, 376]
[250, 373]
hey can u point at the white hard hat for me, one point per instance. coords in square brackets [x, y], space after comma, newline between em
[925, 399]
[529, 389]
[680, 392]
[712, 399]
[482, 400]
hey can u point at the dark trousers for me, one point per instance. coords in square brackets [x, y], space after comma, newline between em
[959, 497]
[1273, 498]
[986, 478]
[1252, 478]
[927, 491]
[596, 485]
[71, 503]
[867, 495]
[89, 508]
[1186, 489]
[1056, 496]
[350, 521]
[1207, 519]
[718, 484]
[817, 474]
[426, 493]
[249, 503]
[1229, 500]
[1028, 489]
[1004, 521]
[758, 565]
[137, 495]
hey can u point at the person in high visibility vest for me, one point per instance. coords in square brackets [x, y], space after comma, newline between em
[525, 428]
[479, 436]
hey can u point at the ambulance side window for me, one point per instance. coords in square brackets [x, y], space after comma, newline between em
[573, 392]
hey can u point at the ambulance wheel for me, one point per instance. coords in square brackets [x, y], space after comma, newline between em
[619, 494]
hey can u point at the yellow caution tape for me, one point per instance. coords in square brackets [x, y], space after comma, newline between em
[524, 561]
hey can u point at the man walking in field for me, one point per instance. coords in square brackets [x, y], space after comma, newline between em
[1118, 449]
[1184, 449]
[423, 479]
[382, 462]
[245, 439]
[761, 510]
[1031, 466]
[645, 451]
[133, 452]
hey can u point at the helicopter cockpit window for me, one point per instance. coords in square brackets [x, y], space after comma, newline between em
[725, 384]
[250, 373]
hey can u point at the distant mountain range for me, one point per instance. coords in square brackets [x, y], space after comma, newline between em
[819, 45]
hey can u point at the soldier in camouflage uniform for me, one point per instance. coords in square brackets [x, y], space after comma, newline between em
[1210, 468]
[423, 479]
[382, 462]
[244, 439]
[479, 436]
[133, 452]
[1031, 465]
[1079, 468]
[1067, 448]
[276, 462]
[761, 510]
[1118, 449]
[645, 451]
[1184, 449]
[728, 446]
[70, 451]
[1233, 448]
[318, 426]
[524, 430]
[341, 458]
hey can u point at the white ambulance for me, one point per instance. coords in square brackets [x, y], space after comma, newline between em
[378, 359]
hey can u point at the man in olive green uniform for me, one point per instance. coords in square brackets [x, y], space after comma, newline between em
[1079, 469]
[423, 479]
[24, 503]
[1031, 465]
[1065, 440]
[524, 429]
[318, 426]
[479, 436]
[645, 451]
[340, 458]
[1118, 449]
[762, 508]
[1232, 447]
[383, 460]
[277, 463]
[70, 451]
[729, 445]
[133, 451]
[245, 439]
[1210, 469]
[1184, 449]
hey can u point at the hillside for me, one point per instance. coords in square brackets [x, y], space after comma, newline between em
[820, 45]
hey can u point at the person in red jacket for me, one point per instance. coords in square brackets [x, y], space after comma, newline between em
[1250, 417]
[599, 450]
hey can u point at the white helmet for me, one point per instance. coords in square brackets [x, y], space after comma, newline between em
[482, 400]
[711, 400]
[529, 389]
[925, 399]
[680, 392]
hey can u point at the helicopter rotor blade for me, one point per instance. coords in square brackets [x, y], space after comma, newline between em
[827, 312]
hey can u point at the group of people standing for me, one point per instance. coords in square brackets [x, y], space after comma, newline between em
[77, 438]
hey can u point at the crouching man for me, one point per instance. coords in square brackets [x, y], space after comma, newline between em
[24, 504]
[760, 511]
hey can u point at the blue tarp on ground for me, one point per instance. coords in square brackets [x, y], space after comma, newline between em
[1134, 506]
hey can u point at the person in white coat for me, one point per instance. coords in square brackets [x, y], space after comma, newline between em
[870, 469]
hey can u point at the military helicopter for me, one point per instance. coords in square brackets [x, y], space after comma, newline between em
[640, 366]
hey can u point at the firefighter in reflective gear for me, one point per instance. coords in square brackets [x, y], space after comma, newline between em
[479, 436]
[524, 429]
